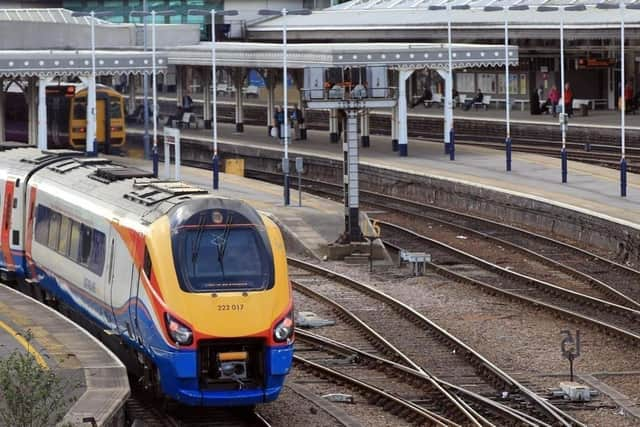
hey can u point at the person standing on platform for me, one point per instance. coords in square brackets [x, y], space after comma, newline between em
[567, 98]
[280, 122]
[553, 99]
[187, 103]
[628, 97]
[297, 120]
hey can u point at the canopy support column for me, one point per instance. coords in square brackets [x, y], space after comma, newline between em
[402, 112]
[238, 80]
[2, 111]
[31, 96]
[207, 94]
[448, 110]
[270, 78]
[333, 125]
[364, 127]
[42, 113]
[394, 128]
[133, 85]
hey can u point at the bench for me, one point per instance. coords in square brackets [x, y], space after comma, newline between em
[436, 99]
[486, 101]
[522, 103]
[187, 120]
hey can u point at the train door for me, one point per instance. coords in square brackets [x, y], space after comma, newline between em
[101, 125]
[122, 279]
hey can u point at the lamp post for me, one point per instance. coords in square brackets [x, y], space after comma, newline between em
[215, 161]
[285, 161]
[507, 104]
[623, 107]
[563, 117]
[450, 147]
[154, 14]
[91, 145]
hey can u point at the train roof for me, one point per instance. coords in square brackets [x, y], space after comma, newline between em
[123, 190]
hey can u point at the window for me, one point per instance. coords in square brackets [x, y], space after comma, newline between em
[96, 259]
[85, 244]
[114, 108]
[80, 108]
[74, 245]
[65, 231]
[147, 263]
[42, 224]
[54, 230]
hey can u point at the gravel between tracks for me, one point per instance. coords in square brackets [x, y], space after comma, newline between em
[517, 337]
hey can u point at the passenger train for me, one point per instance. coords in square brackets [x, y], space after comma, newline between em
[189, 289]
[67, 117]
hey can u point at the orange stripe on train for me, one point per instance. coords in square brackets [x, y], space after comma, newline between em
[6, 225]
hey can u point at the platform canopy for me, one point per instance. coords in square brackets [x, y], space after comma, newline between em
[402, 19]
[49, 63]
[391, 55]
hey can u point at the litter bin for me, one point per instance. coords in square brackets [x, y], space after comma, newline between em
[584, 109]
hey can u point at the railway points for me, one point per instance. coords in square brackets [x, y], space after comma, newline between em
[91, 373]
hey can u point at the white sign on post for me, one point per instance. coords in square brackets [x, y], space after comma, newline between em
[171, 137]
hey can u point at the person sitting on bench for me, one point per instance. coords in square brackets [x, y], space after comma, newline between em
[469, 102]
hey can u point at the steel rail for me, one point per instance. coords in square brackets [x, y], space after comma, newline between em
[393, 203]
[391, 350]
[555, 413]
[368, 358]
[412, 410]
[601, 305]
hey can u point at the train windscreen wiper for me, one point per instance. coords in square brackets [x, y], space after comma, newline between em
[195, 246]
[222, 243]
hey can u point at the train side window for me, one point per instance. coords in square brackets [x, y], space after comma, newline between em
[74, 244]
[114, 108]
[147, 263]
[85, 244]
[42, 224]
[80, 108]
[96, 259]
[54, 230]
[65, 231]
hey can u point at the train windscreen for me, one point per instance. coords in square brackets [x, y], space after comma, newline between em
[217, 251]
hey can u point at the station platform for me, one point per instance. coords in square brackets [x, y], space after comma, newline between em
[307, 228]
[591, 190]
[89, 372]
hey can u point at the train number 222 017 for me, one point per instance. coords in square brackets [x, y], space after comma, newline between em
[230, 307]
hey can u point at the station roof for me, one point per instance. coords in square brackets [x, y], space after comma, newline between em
[54, 15]
[49, 63]
[353, 19]
[391, 55]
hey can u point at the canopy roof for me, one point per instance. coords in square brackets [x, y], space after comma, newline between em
[392, 18]
[49, 63]
[391, 55]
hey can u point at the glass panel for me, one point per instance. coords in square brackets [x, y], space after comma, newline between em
[85, 244]
[80, 108]
[65, 231]
[54, 230]
[42, 225]
[217, 258]
[96, 259]
[115, 109]
[74, 246]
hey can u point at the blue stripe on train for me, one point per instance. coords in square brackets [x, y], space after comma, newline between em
[177, 367]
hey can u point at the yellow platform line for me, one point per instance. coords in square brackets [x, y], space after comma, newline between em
[23, 342]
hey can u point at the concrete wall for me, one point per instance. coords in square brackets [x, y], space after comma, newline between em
[606, 237]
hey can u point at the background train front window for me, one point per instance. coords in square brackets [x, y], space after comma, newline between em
[115, 112]
[222, 258]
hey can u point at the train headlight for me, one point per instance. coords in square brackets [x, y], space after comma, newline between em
[283, 330]
[177, 331]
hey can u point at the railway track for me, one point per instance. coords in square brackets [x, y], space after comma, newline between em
[615, 280]
[477, 409]
[467, 268]
[448, 359]
[149, 413]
